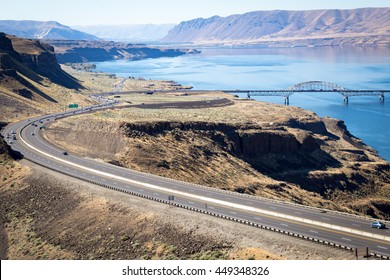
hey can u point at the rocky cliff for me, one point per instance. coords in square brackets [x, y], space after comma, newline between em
[84, 51]
[248, 141]
[31, 59]
[289, 28]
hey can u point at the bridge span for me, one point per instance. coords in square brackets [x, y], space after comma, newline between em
[313, 86]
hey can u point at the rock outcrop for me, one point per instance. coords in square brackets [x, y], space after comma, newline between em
[247, 141]
[33, 60]
[84, 51]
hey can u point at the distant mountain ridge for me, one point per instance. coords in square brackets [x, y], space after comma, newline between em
[281, 25]
[42, 30]
[131, 32]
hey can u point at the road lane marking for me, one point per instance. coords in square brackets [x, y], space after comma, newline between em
[285, 225]
[346, 239]
[382, 247]
[313, 231]
[212, 200]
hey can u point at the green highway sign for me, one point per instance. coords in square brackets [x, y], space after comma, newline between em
[73, 105]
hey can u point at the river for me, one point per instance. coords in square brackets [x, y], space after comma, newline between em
[252, 68]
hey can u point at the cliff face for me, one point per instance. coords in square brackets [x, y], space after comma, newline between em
[308, 27]
[42, 30]
[248, 141]
[83, 51]
[31, 59]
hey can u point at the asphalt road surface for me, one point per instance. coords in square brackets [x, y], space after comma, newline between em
[338, 228]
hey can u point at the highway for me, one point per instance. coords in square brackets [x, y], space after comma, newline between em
[312, 223]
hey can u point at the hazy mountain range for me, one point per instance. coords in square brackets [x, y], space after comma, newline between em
[365, 26]
[282, 25]
[42, 30]
[132, 33]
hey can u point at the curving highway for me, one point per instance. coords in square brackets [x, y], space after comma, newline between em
[325, 226]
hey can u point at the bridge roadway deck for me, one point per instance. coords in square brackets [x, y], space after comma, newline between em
[253, 209]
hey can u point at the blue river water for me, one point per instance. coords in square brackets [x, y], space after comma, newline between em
[252, 68]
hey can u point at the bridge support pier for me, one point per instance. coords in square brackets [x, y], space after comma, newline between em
[286, 100]
[382, 97]
[345, 99]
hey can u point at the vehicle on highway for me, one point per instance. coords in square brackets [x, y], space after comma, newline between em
[65, 153]
[378, 225]
[32, 133]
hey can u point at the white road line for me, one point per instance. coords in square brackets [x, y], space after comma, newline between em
[207, 199]
[313, 231]
[234, 213]
[326, 219]
[346, 239]
[257, 218]
[285, 225]
[382, 247]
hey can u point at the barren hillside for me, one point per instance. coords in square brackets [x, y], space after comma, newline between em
[289, 28]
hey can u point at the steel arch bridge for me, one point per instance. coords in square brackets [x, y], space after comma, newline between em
[317, 86]
[314, 86]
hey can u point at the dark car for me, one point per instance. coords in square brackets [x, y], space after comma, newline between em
[65, 153]
[378, 225]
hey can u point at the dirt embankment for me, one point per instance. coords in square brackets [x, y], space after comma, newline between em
[310, 161]
[52, 216]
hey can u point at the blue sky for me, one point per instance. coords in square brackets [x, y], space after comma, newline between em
[91, 12]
